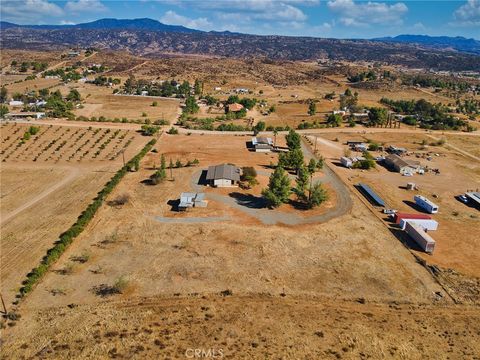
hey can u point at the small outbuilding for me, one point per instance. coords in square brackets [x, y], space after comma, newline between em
[262, 144]
[188, 200]
[224, 175]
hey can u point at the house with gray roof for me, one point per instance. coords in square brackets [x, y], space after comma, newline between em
[224, 175]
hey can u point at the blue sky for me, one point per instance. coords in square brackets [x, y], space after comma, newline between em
[322, 18]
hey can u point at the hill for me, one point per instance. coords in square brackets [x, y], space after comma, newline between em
[458, 43]
[148, 37]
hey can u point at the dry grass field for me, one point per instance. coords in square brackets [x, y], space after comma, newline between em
[46, 182]
[144, 281]
[342, 289]
[456, 242]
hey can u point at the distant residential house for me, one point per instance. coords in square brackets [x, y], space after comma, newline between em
[16, 103]
[224, 175]
[262, 144]
[241, 91]
[73, 53]
[217, 88]
[26, 115]
[396, 150]
[235, 107]
[401, 165]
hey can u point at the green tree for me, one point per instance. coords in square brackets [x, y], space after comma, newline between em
[334, 120]
[163, 162]
[377, 116]
[312, 108]
[249, 175]
[3, 94]
[260, 126]
[312, 166]
[293, 140]
[3, 111]
[302, 183]
[191, 106]
[74, 95]
[278, 190]
[158, 176]
[318, 194]
[184, 88]
[291, 160]
[198, 86]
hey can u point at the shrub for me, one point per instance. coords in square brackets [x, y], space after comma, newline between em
[76, 229]
[172, 131]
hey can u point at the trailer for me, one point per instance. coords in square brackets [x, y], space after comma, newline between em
[426, 204]
[370, 195]
[424, 240]
[425, 224]
[347, 162]
[401, 216]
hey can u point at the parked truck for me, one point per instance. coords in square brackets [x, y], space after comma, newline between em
[426, 204]
[401, 216]
[424, 240]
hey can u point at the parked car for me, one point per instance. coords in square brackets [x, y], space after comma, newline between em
[389, 211]
[462, 198]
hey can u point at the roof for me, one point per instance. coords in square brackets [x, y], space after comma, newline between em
[400, 216]
[372, 194]
[475, 196]
[425, 200]
[223, 171]
[399, 162]
[262, 141]
[235, 107]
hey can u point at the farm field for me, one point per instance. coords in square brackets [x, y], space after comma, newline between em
[99, 101]
[46, 182]
[163, 253]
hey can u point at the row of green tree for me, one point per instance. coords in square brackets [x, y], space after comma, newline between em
[76, 229]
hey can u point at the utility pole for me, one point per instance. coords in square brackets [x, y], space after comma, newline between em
[123, 157]
[315, 150]
[3, 304]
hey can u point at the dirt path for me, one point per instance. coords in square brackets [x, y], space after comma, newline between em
[74, 173]
[255, 206]
[457, 149]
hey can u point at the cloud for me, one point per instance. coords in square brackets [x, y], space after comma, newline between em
[468, 14]
[365, 14]
[25, 11]
[172, 18]
[79, 6]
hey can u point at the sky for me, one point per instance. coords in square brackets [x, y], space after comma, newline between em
[319, 18]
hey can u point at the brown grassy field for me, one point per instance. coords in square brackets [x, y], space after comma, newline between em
[456, 243]
[46, 182]
[144, 281]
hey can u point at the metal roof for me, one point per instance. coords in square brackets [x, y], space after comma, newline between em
[262, 140]
[475, 196]
[366, 190]
[223, 171]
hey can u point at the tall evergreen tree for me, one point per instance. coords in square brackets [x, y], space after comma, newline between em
[278, 190]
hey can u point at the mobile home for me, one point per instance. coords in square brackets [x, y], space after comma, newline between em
[426, 204]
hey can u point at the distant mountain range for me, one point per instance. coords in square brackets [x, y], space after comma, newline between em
[149, 37]
[458, 43]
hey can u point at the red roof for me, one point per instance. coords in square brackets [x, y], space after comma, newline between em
[235, 107]
[399, 216]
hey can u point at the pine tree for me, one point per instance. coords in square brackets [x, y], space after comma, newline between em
[317, 195]
[163, 163]
[312, 108]
[278, 190]
[302, 183]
